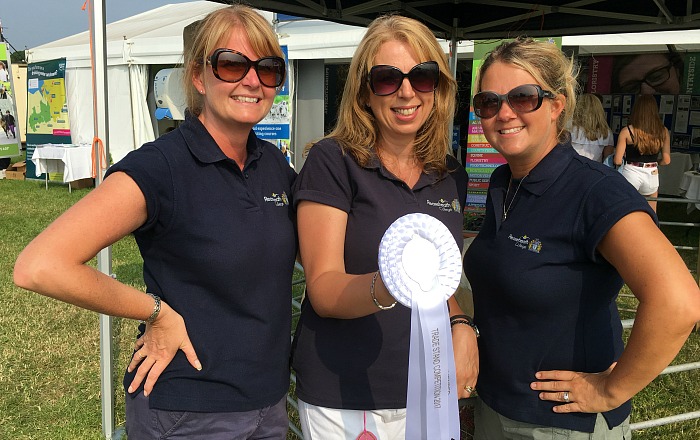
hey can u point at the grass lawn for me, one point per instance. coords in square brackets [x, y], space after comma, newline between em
[49, 351]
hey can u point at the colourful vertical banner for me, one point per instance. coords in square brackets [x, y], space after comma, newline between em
[47, 109]
[10, 143]
[482, 159]
[599, 74]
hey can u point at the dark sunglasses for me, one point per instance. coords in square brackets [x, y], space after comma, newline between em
[522, 99]
[231, 66]
[385, 80]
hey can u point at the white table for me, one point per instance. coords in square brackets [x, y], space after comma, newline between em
[74, 161]
[670, 175]
[690, 184]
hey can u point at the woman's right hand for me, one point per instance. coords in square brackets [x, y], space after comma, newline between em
[157, 348]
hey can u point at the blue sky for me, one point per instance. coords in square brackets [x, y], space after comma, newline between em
[32, 23]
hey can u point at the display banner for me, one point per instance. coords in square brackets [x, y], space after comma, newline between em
[599, 74]
[47, 110]
[482, 159]
[275, 127]
[691, 85]
[10, 139]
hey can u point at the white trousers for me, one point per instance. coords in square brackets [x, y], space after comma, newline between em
[320, 423]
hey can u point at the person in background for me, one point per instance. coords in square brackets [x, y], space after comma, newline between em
[648, 73]
[640, 143]
[4, 73]
[590, 135]
[209, 206]
[3, 92]
[561, 235]
[387, 156]
[10, 124]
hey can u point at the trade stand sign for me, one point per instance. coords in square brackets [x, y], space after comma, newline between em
[275, 126]
[47, 110]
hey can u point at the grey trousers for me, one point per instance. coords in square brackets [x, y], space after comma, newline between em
[490, 425]
[143, 423]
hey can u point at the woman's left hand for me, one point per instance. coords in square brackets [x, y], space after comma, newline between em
[577, 392]
[466, 352]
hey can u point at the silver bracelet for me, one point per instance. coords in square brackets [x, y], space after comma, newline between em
[374, 298]
[156, 309]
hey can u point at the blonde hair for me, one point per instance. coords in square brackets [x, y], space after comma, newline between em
[546, 63]
[589, 117]
[213, 32]
[356, 128]
[649, 132]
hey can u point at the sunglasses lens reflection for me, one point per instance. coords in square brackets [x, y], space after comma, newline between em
[386, 80]
[523, 99]
[231, 66]
[271, 71]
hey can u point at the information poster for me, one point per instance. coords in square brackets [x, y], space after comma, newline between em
[47, 112]
[482, 159]
[275, 127]
[10, 143]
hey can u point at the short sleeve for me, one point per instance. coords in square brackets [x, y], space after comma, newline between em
[609, 139]
[325, 177]
[151, 171]
[609, 200]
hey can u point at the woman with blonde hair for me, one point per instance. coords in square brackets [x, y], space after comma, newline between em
[591, 136]
[208, 206]
[640, 143]
[387, 156]
[560, 236]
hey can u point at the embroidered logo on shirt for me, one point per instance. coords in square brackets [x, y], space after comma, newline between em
[445, 206]
[525, 242]
[277, 199]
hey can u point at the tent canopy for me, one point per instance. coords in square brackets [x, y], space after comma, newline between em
[485, 19]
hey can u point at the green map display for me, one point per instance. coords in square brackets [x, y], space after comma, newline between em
[47, 112]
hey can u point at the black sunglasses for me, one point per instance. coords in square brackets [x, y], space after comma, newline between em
[522, 99]
[231, 66]
[385, 80]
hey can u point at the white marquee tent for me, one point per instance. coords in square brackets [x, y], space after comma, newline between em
[154, 38]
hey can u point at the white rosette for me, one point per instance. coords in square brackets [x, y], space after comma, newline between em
[421, 266]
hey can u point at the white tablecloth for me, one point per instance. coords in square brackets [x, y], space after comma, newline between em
[75, 162]
[690, 183]
[670, 175]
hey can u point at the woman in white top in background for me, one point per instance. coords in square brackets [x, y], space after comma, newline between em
[591, 136]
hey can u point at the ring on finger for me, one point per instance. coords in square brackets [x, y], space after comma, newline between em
[468, 389]
[141, 355]
[566, 397]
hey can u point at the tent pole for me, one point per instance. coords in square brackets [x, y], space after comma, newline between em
[104, 257]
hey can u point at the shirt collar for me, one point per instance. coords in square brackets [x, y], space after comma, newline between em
[203, 146]
[548, 170]
[425, 179]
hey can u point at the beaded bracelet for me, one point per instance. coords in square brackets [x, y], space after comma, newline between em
[466, 320]
[374, 298]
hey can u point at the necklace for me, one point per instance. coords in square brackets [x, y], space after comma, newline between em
[507, 210]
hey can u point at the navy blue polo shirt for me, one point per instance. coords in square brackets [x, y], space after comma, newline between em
[363, 363]
[544, 299]
[218, 246]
